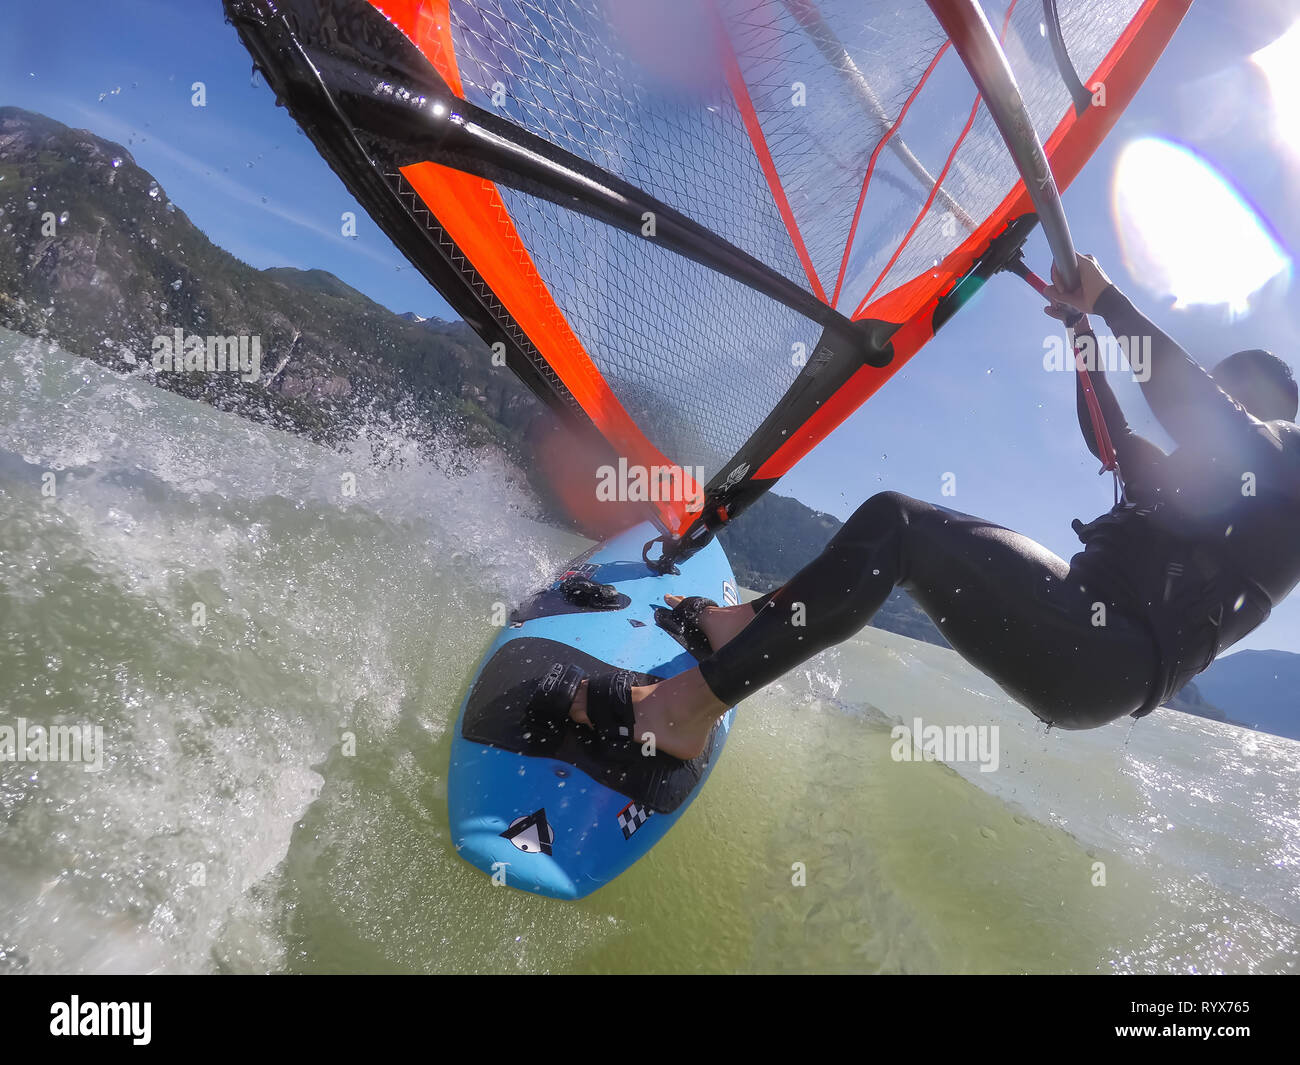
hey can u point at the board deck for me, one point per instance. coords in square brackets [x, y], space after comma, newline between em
[551, 812]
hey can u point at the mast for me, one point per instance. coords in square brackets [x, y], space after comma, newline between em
[973, 38]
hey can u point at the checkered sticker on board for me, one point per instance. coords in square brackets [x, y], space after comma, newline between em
[632, 817]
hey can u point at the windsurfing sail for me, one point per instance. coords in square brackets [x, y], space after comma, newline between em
[704, 230]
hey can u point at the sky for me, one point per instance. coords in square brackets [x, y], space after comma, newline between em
[1192, 204]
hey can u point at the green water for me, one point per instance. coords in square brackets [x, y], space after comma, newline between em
[274, 781]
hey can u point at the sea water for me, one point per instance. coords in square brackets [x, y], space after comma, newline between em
[274, 637]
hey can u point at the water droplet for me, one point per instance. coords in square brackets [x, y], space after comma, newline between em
[153, 191]
[116, 163]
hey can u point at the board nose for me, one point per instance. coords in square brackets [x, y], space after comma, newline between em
[522, 868]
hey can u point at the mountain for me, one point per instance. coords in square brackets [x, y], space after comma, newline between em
[433, 322]
[1191, 700]
[94, 255]
[319, 281]
[778, 536]
[1260, 689]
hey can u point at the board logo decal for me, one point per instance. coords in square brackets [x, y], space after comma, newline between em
[552, 678]
[730, 597]
[532, 834]
[632, 817]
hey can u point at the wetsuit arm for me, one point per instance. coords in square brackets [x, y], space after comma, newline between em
[1182, 396]
[1138, 457]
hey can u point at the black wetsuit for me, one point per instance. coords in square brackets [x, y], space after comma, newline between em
[1207, 542]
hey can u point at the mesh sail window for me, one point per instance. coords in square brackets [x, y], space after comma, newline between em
[709, 228]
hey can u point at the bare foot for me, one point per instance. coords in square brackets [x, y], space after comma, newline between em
[720, 623]
[678, 712]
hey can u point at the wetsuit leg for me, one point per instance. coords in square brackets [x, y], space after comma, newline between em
[1009, 606]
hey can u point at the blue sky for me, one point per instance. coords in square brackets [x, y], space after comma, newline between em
[245, 175]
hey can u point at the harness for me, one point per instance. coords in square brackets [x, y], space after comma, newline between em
[1184, 590]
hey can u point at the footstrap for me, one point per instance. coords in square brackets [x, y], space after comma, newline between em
[682, 622]
[556, 691]
[609, 705]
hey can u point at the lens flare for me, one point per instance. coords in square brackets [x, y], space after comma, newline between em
[1186, 232]
[1279, 62]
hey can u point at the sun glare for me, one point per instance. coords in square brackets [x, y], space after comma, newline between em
[1186, 232]
[1280, 64]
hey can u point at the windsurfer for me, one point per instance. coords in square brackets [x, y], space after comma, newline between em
[1205, 544]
